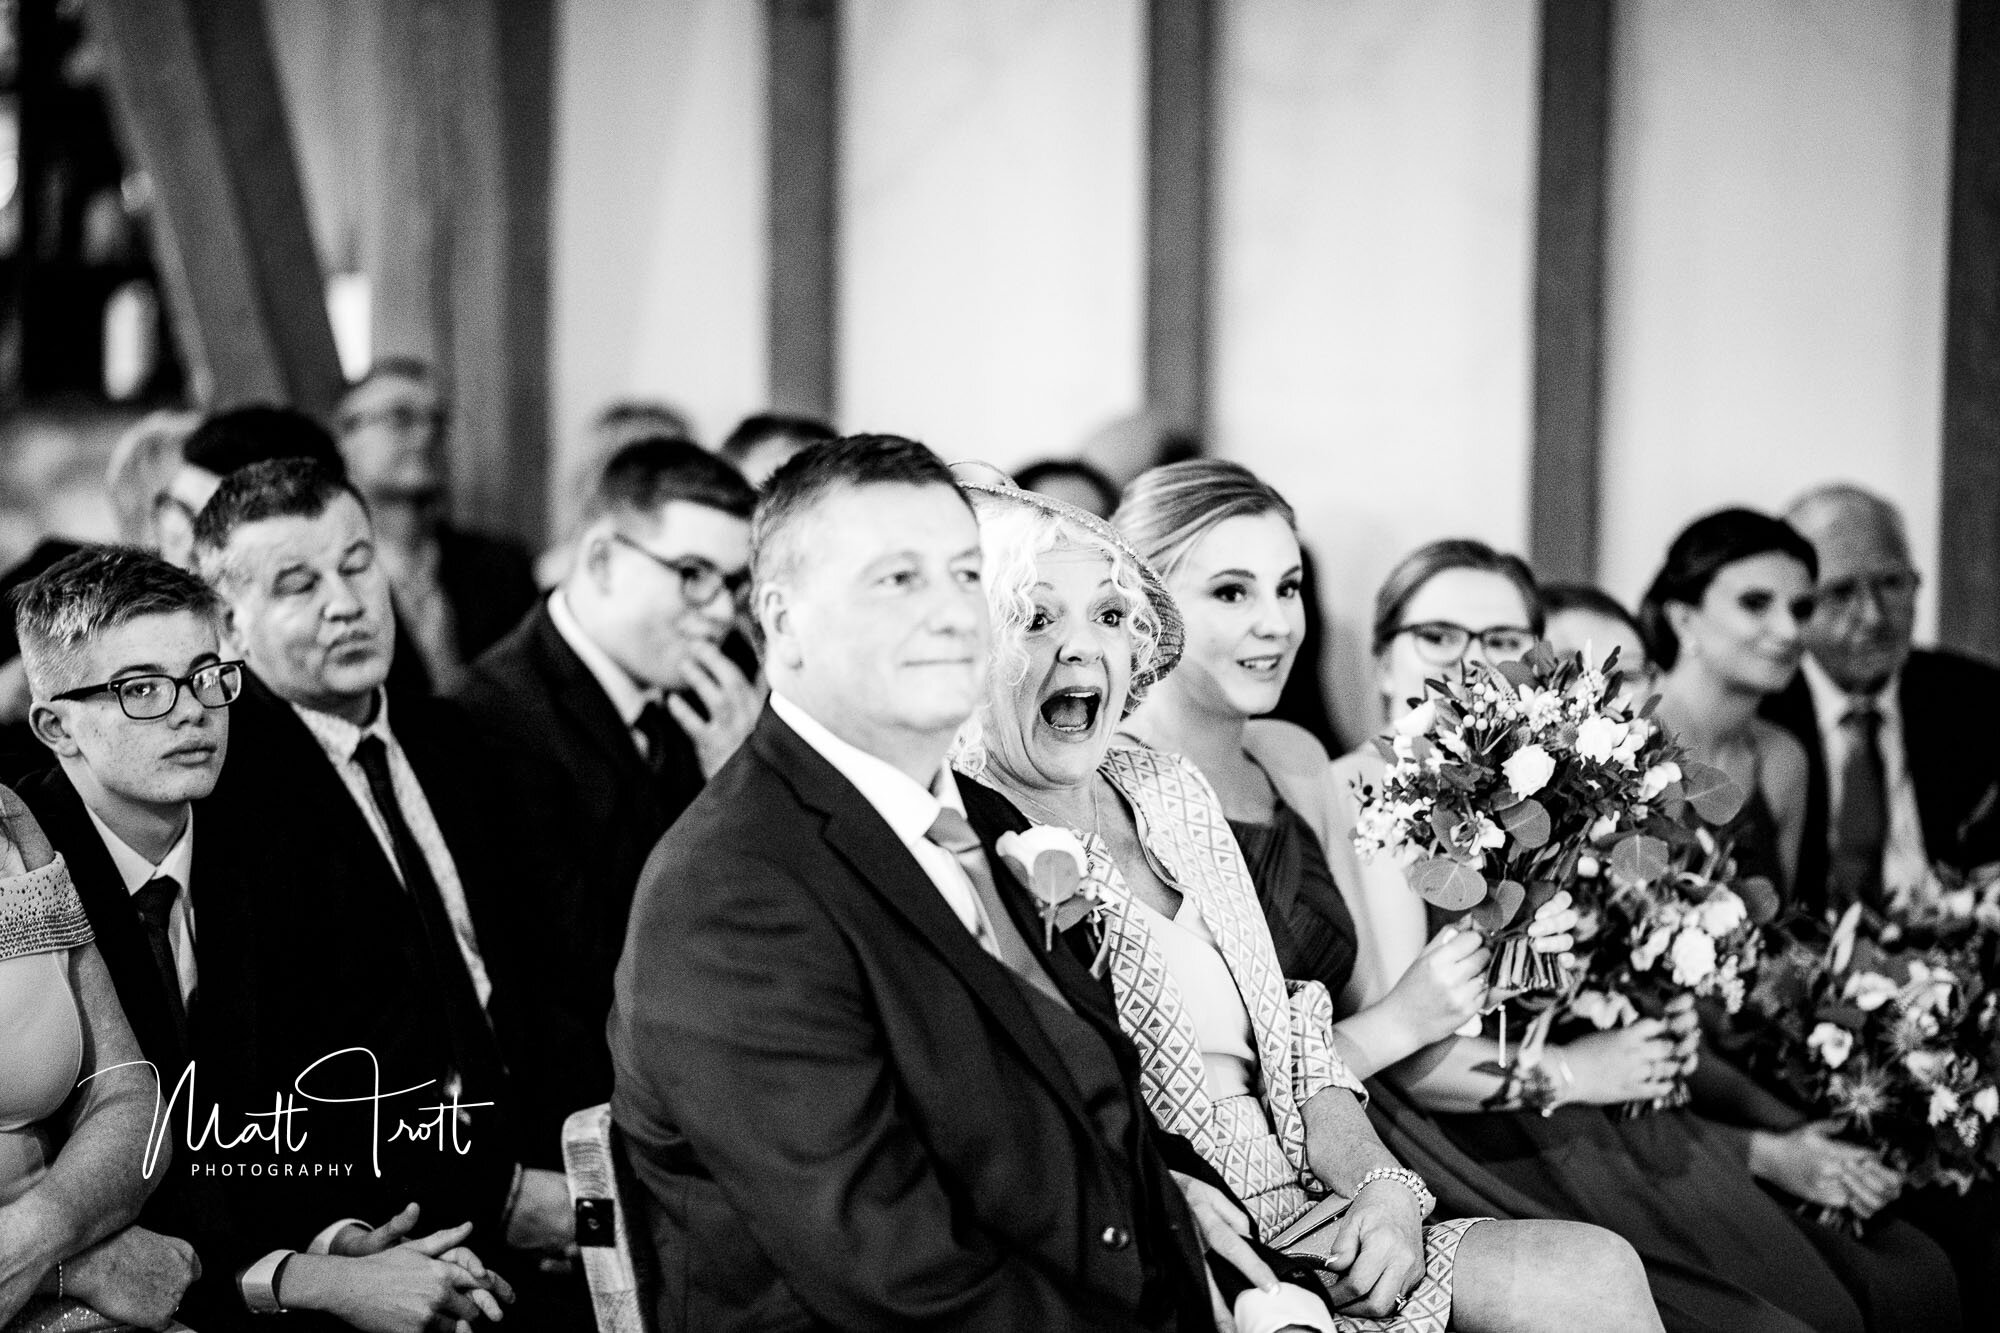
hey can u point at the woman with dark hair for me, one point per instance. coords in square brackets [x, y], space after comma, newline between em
[1723, 619]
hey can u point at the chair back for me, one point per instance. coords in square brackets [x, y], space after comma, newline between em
[603, 1236]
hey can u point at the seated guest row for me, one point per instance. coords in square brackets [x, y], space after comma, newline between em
[431, 898]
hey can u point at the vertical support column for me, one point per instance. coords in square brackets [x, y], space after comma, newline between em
[457, 249]
[1969, 575]
[1180, 113]
[1564, 482]
[804, 139]
[197, 96]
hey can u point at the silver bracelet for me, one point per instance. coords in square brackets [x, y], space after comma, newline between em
[1408, 1179]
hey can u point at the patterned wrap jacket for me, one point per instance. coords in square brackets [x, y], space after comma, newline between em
[1183, 829]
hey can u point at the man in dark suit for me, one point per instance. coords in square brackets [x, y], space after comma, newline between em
[842, 1108]
[614, 701]
[1904, 743]
[458, 590]
[403, 865]
[132, 698]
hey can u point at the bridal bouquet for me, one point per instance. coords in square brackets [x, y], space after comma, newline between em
[1898, 1043]
[1533, 776]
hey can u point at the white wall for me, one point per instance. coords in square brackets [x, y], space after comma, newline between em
[658, 275]
[1775, 266]
[1374, 281]
[1779, 183]
[990, 269]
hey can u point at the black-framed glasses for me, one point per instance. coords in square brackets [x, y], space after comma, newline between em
[1443, 642]
[1895, 588]
[700, 580]
[147, 697]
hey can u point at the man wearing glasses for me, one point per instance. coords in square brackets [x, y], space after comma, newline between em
[458, 591]
[1904, 743]
[614, 702]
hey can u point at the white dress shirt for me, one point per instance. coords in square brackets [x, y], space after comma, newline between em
[628, 697]
[136, 871]
[906, 807]
[339, 737]
[1906, 865]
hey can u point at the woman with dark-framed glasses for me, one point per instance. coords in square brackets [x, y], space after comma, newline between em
[1724, 1255]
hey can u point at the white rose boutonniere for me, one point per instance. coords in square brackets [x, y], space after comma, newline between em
[1051, 862]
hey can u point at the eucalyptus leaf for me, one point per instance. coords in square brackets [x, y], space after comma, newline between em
[1502, 904]
[1515, 674]
[1640, 859]
[1527, 822]
[1449, 885]
[1760, 899]
[1715, 796]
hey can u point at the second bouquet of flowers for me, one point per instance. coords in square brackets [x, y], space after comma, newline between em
[1530, 777]
[1894, 1036]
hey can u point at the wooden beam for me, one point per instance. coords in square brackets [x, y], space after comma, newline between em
[457, 243]
[1969, 576]
[1565, 467]
[804, 150]
[1180, 57]
[196, 93]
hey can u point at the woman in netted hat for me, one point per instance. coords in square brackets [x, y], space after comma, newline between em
[1235, 1059]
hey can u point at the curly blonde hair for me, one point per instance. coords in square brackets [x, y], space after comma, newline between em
[1013, 537]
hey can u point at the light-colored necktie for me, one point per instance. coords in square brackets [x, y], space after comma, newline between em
[951, 832]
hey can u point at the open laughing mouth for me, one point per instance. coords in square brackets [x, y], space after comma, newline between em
[1073, 712]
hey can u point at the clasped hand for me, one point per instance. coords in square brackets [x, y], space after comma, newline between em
[417, 1283]
[1639, 1062]
[1809, 1163]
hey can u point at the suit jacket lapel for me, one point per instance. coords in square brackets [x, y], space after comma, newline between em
[313, 784]
[880, 860]
[582, 701]
[991, 816]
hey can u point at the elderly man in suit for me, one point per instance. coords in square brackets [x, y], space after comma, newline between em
[1904, 742]
[400, 881]
[613, 702]
[842, 1108]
